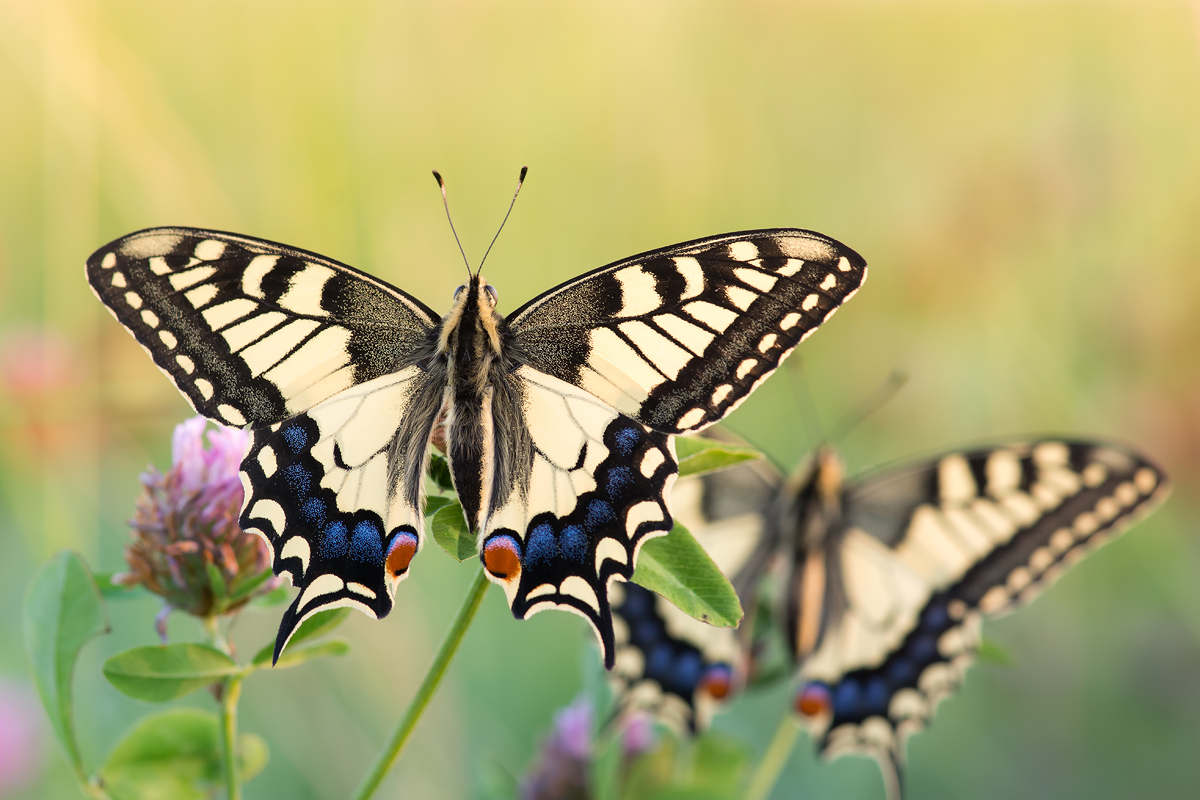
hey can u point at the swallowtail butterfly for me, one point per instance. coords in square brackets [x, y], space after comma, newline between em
[887, 578]
[559, 417]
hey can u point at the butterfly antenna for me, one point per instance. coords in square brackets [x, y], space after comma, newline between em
[446, 203]
[808, 409]
[887, 390]
[520, 182]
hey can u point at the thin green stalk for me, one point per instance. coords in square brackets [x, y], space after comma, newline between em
[231, 690]
[774, 760]
[425, 693]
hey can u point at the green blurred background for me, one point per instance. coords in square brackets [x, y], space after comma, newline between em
[1023, 177]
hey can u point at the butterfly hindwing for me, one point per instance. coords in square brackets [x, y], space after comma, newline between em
[675, 667]
[668, 664]
[926, 552]
[592, 488]
[337, 493]
[678, 337]
[251, 331]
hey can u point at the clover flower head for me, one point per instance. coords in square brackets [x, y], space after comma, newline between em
[187, 545]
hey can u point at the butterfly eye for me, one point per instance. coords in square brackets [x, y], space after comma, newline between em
[491, 290]
[458, 291]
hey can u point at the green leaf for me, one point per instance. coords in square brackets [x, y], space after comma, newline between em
[295, 656]
[163, 673]
[175, 754]
[433, 502]
[712, 767]
[698, 455]
[318, 624]
[449, 528]
[217, 581]
[63, 610]
[993, 653]
[251, 586]
[677, 567]
[439, 471]
[116, 591]
[277, 596]
[720, 762]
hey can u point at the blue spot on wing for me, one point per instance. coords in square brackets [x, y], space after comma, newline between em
[334, 540]
[299, 480]
[877, 696]
[847, 697]
[540, 546]
[619, 480]
[658, 661]
[574, 543]
[366, 545]
[599, 514]
[626, 440]
[314, 512]
[296, 437]
[687, 671]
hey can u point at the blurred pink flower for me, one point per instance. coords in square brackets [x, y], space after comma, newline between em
[561, 770]
[187, 522]
[639, 734]
[564, 763]
[34, 361]
[20, 737]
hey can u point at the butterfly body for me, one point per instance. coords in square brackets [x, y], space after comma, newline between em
[558, 418]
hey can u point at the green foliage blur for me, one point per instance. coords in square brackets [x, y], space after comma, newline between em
[1022, 177]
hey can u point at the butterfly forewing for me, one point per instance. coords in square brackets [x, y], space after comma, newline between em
[928, 551]
[250, 331]
[678, 337]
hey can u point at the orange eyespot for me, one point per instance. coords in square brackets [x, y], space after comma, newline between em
[501, 557]
[813, 700]
[401, 553]
[717, 681]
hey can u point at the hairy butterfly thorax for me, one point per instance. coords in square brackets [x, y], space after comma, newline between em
[470, 342]
[558, 418]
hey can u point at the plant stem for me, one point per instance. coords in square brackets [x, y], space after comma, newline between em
[774, 760]
[429, 685]
[231, 690]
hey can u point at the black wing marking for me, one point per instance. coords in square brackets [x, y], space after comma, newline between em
[980, 532]
[678, 337]
[251, 331]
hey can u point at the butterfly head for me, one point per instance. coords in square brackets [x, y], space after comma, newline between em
[470, 333]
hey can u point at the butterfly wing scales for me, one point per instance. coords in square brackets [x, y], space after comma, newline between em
[678, 337]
